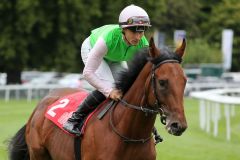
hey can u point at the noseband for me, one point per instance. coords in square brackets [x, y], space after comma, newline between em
[158, 106]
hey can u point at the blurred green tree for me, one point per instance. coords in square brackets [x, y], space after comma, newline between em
[199, 51]
[179, 15]
[224, 15]
[43, 34]
[47, 34]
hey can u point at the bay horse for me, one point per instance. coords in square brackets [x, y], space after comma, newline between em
[153, 84]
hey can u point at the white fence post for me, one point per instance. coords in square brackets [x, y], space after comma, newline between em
[16, 90]
[210, 108]
[216, 116]
[202, 114]
[227, 115]
[208, 116]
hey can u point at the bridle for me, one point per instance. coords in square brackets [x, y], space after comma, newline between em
[158, 106]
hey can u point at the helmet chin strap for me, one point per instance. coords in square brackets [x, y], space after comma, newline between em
[125, 38]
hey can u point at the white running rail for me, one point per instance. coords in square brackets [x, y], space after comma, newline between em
[30, 90]
[209, 108]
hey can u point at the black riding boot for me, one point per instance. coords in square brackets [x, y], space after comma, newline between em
[157, 137]
[75, 122]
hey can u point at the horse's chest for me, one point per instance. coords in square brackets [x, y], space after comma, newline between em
[132, 153]
[130, 157]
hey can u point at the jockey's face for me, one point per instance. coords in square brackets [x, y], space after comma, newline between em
[132, 37]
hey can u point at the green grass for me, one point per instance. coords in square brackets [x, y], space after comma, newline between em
[194, 144]
[197, 144]
[13, 115]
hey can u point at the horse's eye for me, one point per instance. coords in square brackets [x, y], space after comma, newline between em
[163, 83]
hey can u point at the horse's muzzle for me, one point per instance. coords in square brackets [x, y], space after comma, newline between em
[176, 128]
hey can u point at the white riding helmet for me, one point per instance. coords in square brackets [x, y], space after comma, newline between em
[133, 16]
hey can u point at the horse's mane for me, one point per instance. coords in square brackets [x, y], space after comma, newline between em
[126, 77]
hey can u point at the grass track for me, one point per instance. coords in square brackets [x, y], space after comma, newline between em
[194, 144]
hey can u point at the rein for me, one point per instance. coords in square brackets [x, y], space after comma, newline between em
[158, 107]
[126, 139]
[140, 108]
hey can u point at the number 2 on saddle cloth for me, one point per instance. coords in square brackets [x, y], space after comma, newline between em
[62, 109]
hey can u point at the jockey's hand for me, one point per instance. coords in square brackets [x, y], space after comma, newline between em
[115, 94]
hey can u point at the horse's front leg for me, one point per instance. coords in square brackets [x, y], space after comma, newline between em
[39, 154]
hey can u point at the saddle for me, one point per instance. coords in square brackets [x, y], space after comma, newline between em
[61, 110]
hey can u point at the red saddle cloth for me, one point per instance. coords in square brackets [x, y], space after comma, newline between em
[62, 109]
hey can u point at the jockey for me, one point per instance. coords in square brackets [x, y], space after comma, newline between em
[104, 54]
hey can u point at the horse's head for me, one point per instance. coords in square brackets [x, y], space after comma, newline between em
[168, 84]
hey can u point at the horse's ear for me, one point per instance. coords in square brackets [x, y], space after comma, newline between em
[153, 51]
[180, 50]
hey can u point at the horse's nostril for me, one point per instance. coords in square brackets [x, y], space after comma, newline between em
[175, 125]
[177, 128]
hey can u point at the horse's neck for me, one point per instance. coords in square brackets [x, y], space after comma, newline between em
[135, 122]
[137, 91]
